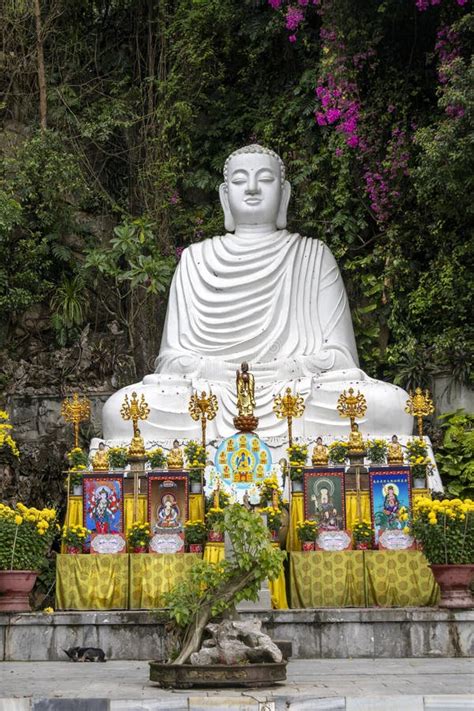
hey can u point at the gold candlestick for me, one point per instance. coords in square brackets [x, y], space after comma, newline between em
[419, 405]
[288, 405]
[204, 408]
[135, 410]
[76, 411]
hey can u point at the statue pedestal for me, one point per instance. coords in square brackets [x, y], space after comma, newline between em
[357, 475]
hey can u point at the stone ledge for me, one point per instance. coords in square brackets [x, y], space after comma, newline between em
[322, 633]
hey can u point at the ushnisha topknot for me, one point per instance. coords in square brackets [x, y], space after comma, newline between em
[255, 148]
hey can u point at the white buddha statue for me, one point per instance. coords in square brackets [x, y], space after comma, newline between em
[263, 295]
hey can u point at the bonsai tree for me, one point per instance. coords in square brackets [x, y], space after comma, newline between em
[210, 589]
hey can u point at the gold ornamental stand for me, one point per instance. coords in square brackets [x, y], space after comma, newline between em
[204, 408]
[351, 404]
[288, 406]
[74, 411]
[419, 405]
[136, 410]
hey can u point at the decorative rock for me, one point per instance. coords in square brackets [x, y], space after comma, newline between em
[236, 643]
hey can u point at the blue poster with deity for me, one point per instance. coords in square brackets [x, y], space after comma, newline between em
[242, 461]
[390, 499]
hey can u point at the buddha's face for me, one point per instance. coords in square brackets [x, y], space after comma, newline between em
[254, 188]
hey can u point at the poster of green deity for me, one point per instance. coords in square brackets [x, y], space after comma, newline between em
[324, 498]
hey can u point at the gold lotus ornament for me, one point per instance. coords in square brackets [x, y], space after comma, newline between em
[419, 405]
[351, 404]
[76, 411]
[288, 406]
[203, 407]
[135, 410]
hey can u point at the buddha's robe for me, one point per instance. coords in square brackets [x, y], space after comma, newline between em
[277, 302]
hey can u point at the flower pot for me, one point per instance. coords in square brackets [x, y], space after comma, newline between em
[139, 549]
[77, 489]
[296, 486]
[419, 482]
[275, 535]
[454, 582]
[15, 587]
[196, 487]
[215, 537]
[363, 546]
[308, 546]
[195, 547]
[73, 549]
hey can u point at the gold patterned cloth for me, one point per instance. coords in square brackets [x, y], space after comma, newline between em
[214, 552]
[92, 582]
[153, 575]
[362, 579]
[196, 507]
[399, 579]
[324, 579]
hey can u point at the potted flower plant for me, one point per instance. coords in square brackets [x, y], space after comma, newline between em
[297, 454]
[307, 531]
[196, 462]
[273, 517]
[73, 537]
[195, 533]
[445, 530]
[377, 451]
[157, 458]
[138, 536]
[214, 519]
[270, 493]
[118, 458]
[337, 452]
[78, 461]
[363, 535]
[419, 462]
[26, 535]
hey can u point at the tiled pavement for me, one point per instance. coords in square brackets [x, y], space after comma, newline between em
[312, 685]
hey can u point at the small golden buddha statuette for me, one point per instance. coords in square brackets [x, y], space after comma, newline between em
[356, 442]
[100, 460]
[395, 451]
[175, 457]
[320, 454]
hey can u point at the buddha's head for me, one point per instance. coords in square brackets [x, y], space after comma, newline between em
[254, 191]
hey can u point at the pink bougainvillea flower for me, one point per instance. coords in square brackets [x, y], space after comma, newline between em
[321, 119]
[294, 16]
[292, 38]
[333, 115]
[352, 141]
[275, 4]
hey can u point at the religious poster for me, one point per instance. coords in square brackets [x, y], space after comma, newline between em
[241, 463]
[390, 502]
[324, 498]
[103, 503]
[167, 512]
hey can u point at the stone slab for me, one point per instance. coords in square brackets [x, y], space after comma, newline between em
[325, 634]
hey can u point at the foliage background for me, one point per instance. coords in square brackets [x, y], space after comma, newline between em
[114, 137]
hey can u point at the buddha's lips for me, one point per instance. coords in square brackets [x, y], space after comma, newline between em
[253, 201]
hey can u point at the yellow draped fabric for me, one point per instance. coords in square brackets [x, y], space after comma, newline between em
[92, 582]
[196, 507]
[362, 579]
[278, 589]
[214, 552]
[296, 515]
[324, 579]
[153, 575]
[399, 579]
[351, 507]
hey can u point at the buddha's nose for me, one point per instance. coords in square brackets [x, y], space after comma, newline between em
[252, 185]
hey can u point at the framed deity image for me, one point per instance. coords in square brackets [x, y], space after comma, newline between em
[103, 503]
[390, 502]
[168, 509]
[324, 498]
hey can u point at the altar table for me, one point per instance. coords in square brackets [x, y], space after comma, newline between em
[361, 579]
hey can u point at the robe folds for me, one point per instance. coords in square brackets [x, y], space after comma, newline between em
[277, 302]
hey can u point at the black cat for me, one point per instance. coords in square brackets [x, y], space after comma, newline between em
[85, 654]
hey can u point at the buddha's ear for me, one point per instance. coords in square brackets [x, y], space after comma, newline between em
[229, 222]
[283, 209]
